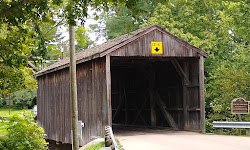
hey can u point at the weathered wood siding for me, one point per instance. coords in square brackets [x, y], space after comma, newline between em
[142, 47]
[54, 105]
[53, 100]
[191, 97]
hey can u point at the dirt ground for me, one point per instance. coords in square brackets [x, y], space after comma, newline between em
[147, 139]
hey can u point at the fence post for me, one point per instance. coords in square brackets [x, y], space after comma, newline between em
[248, 132]
[220, 130]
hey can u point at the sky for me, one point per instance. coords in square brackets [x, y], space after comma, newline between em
[89, 21]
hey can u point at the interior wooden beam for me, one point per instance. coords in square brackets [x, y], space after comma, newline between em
[140, 110]
[180, 70]
[151, 81]
[174, 109]
[194, 109]
[119, 108]
[185, 97]
[165, 113]
[152, 110]
[143, 120]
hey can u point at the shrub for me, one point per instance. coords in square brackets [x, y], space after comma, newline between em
[24, 98]
[209, 127]
[2, 102]
[22, 133]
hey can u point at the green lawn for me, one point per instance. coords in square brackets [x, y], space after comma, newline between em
[96, 146]
[102, 144]
[4, 111]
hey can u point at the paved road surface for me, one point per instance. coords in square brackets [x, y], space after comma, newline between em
[146, 139]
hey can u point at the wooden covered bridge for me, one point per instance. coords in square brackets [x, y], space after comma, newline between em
[148, 78]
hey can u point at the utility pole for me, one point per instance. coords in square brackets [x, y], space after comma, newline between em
[62, 49]
[73, 89]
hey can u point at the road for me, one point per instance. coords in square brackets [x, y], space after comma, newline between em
[147, 139]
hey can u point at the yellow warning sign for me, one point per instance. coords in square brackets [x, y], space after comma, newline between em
[156, 48]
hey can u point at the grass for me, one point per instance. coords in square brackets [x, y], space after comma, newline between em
[96, 146]
[4, 111]
[101, 144]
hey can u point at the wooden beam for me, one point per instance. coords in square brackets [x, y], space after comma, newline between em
[193, 85]
[119, 108]
[180, 70]
[108, 80]
[194, 109]
[136, 109]
[151, 81]
[122, 103]
[185, 97]
[152, 110]
[174, 109]
[165, 113]
[126, 105]
[202, 94]
[140, 110]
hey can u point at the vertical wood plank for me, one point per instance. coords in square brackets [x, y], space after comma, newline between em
[152, 98]
[185, 96]
[152, 108]
[202, 94]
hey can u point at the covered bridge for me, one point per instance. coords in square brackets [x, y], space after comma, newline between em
[148, 78]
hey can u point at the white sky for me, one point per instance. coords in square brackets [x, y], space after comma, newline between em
[89, 21]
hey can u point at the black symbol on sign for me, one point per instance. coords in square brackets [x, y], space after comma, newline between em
[157, 49]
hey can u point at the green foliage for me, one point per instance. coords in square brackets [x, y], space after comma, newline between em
[22, 133]
[209, 127]
[29, 81]
[82, 38]
[13, 79]
[28, 27]
[25, 98]
[19, 42]
[122, 19]
[50, 36]
[23, 37]
[13, 44]
[120, 23]
[2, 101]
[77, 9]
[15, 12]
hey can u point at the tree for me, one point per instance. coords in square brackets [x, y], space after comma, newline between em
[83, 41]
[24, 11]
[221, 29]
[121, 20]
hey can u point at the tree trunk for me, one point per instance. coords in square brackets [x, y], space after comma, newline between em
[73, 89]
[9, 104]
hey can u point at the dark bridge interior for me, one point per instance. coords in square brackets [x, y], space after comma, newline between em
[142, 88]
